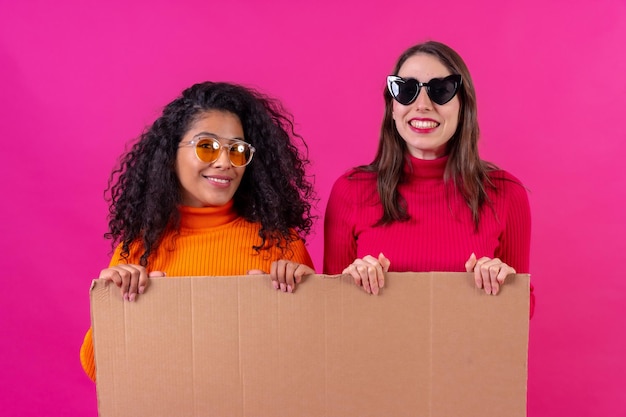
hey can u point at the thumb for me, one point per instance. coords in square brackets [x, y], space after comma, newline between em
[301, 271]
[384, 262]
[470, 263]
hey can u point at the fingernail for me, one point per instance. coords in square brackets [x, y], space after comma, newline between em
[125, 296]
[289, 288]
[282, 287]
[141, 290]
[275, 285]
[131, 297]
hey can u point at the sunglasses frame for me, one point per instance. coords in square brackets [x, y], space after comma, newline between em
[228, 146]
[456, 78]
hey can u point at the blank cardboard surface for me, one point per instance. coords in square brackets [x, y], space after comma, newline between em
[429, 345]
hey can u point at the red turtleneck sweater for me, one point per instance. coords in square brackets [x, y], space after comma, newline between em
[440, 234]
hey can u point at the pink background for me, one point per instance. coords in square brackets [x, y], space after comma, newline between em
[79, 79]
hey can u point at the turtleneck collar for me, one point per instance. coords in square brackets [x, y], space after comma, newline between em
[425, 168]
[205, 217]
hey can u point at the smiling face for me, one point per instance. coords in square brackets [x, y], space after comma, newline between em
[426, 127]
[209, 184]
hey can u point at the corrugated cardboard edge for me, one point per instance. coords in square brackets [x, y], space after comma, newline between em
[371, 365]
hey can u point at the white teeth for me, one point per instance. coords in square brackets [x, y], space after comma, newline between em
[220, 180]
[424, 124]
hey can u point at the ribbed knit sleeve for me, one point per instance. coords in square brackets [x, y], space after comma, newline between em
[514, 248]
[340, 240]
[86, 355]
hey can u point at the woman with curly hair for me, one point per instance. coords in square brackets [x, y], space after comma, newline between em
[216, 186]
[428, 202]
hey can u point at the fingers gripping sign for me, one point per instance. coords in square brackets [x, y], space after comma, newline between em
[489, 273]
[282, 273]
[131, 279]
[285, 275]
[369, 272]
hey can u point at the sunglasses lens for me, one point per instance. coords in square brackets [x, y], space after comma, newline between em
[442, 90]
[240, 154]
[404, 91]
[208, 150]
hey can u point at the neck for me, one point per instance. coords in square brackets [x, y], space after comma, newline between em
[425, 168]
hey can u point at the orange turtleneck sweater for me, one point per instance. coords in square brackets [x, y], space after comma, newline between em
[212, 241]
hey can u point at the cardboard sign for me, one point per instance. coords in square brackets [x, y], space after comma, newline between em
[430, 344]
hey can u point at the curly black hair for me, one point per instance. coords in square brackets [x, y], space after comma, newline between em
[144, 191]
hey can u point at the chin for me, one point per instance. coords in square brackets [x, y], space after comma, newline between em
[217, 203]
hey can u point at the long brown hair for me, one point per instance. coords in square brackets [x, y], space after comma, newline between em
[464, 168]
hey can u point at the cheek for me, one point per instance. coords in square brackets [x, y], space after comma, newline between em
[178, 164]
[396, 110]
[185, 167]
[454, 114]
[240, 171]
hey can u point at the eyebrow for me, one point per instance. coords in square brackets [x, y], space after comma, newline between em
[214, 136]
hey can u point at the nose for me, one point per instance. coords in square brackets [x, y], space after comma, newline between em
[223, 160]
[423, 102]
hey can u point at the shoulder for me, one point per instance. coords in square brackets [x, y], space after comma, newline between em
[508, 188]
[504, 179]
[355, 177]
[299, 252]
[292, 247]
[353, 187]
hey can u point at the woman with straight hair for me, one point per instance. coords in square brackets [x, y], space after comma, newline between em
[428, 202]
